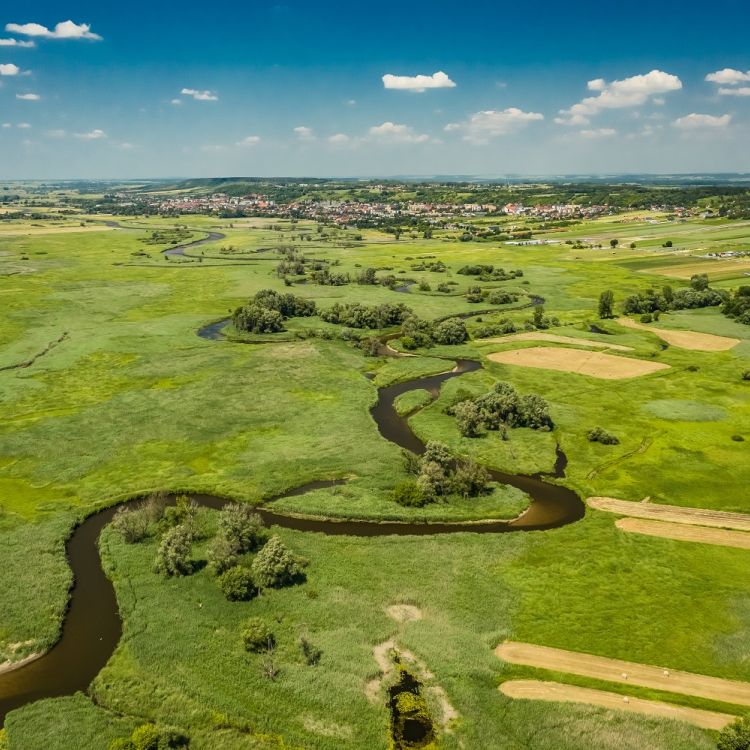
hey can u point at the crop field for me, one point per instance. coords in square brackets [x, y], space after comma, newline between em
[108, 393]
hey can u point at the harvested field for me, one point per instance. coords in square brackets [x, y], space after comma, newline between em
[684, 533]
[554, 338]
[539, 690]
[701, 342]
[724, 268]
[625, 672]
[593, 364]
[673, 513]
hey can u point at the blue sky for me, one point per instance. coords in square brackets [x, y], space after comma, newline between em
[204, 89]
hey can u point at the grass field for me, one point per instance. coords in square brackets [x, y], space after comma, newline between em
[131, 400]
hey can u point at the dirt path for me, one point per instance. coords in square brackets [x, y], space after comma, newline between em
[674, 513]
[553, 337]
[555, 691]
[684, 533]
[625, 672]
[593, 364]
[702, 342]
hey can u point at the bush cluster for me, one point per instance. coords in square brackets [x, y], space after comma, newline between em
[356, 315]
[489, 272]
[737, 305]
[267, 310]
[600, 435]
[151, 737]
[422, 333]
[697, 295]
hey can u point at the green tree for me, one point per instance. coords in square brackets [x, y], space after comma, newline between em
[606, 304]
[257, 636]
[241, 526]
[614, 243]
[173, 555]
[275, 566]
[222, 554]
[468, 418]
[736, 736]
[237, 584]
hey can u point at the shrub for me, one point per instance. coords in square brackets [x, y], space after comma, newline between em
[131, 524]
[182, 512]
[736, 736]
[173, 555]
[470, 480]
[150, 737]
[146, 737]
[311, 654]
[408, 494]
[275, 565]
[468, 418]
[647, 318]
[746, 375]
[241, 526]
[222, 554]
[257, 636]
[451, 331]
[600, 435]
[237, 584]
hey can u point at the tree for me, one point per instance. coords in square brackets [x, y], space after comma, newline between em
[222, 554]
[451, 331]
[432, 481]
[240, 526]
[131, 523]
[537, 318]
[438, 453]
[275, 566]
[237, 584]
[470, 479]
[173, 555]
[736, 736]
[668, 243]
[699, 282]
[468, 418]
[614, 243]
[606, 303]
[257, 636]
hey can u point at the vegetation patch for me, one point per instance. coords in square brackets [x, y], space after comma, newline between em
[684, 410]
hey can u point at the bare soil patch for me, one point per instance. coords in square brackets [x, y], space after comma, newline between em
[593, 364]
[700, 342]
[625, 672]
[684, 533]
[539, 690]
[403, 612]
[554, 338]
[721, 519]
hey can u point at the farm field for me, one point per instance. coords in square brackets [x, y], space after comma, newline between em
[108, 393]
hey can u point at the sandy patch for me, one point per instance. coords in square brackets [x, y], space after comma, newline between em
[9, 666]
[685, 271]
[554, 338]
[683, 533]
[554, 691]
[593, 364]
[403, 612]
[700, 342]
[28, 231]
[625, 672]
[674, 513]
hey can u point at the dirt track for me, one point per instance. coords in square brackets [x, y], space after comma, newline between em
[685, 533]
[593, 364]
[542, 336]
[702, 342]
[674, 513]
[625, 672]
[556, 691]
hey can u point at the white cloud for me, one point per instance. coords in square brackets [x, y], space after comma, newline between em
[176, 101]
[7, 125]
[63, 30]
[251, 140]
[419, 83]
[9, 69]
[629, 92]
[92, 135]
[23, 125]
[481, 126]
[696, 121]
[393, 133]
[339, 139]
[200, 96]
[728, 77]
[28, 97]
[304, 133]
[351, 102]
[738, 91]
[57, 133]
[599, 133]
[16, 43]
[125, 146]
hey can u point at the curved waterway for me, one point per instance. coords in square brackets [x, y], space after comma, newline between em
[92, 627]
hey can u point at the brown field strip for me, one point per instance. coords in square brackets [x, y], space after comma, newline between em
[701, 342]
[720, 519]
[686, 270]
[625, 672]
[683, 533]
[554, 338]
[593, 364]
[539, 690]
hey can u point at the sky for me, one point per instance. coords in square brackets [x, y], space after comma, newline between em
[138, 90]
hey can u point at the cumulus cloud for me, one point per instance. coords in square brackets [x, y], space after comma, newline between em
[176, 101]
[392, 132]
[23, 125]
[418, 84]
[728, 77]
[304, 133]
[200, 96]
[28, 97]
[56, 133]
[696, 121]
[250, 140]
[9, 69]
[339, 139]
[628, 92]
[16, 43]
[599, 133]
[481, 126]
[92, 135]
[63, 30]
[7, 125]
[738, 91]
